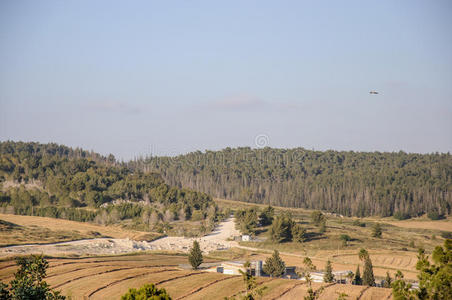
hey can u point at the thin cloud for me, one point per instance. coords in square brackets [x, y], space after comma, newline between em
[239, 103]
[114, 106]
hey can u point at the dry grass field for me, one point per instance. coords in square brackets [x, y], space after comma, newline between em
[110, 277]
[17, 230]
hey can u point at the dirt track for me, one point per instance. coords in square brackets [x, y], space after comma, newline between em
[217, 240]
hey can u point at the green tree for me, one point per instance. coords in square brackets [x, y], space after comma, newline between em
[281, 229]
[435, 278]
[388, 280]
[402, 290]
[357, 280]
[368, 274]
[146, 292]
[376, 230]
[252, 290]
[195, 256]
[267, 215]
[328, 276]
[345, 238]
[298, 233]
[28, 282]
[317, 217]
[274, 265]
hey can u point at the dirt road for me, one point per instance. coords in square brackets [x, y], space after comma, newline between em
[216, 240]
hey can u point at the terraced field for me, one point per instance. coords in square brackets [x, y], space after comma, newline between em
[110, 277]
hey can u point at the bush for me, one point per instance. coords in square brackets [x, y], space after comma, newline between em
[357, 222]
[148, 291]
[28, 281]
[446, 234]
[434, 215]
[401, 216]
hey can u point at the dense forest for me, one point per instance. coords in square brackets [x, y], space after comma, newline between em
[349, 183]
[58, 181]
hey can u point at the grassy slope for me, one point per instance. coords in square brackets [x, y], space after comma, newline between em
[392, 252]
[110, 277]
[17, 230]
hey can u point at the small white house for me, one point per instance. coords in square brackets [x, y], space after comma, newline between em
[246, 238]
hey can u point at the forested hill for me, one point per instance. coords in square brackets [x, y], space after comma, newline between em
[350, 183]
[44, 175]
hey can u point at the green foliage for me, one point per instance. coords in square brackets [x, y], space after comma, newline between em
[328, 276]
[247, 220]
[146, 292]
[195, 256]
[401, 216]
[267, 215]
[368, 274]
[376, 230]
[435, 279]
[342, 296]
[28, 282]
[317, 218]
[62, 181]
[281, 229]
[388, 281]
[252, 290]
[357, 280]
[357, 222]
[402, 290]
[298, 233]
[274, 265]
[435, 215]
[346, 182]
[345, 238]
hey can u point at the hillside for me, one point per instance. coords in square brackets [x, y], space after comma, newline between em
[51, 180]
[350, 183]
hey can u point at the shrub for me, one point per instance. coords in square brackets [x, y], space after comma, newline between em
[434, 215]
[148, 291]
[401, 216]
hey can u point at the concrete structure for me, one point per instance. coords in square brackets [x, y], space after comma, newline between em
[339, 276]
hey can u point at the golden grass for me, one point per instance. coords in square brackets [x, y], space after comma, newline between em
[32, 229]
[110, 277]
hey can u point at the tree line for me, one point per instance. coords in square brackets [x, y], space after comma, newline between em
[57, 181]
[350, 183]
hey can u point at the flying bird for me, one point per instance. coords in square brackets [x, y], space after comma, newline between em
[373, 92]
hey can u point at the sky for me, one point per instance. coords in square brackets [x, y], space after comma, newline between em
[138, 78]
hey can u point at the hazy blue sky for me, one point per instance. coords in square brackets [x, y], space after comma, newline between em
[167, 77]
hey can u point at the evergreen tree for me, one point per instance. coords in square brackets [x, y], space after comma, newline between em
[298, 233]
[195, 256]
[267, 215]
[317, 217]
[435, 279]
[281, 229]
[274, 265]
[402, 290]
[387, 281]
[376, 230]
[357, 280]
[328, 276]
[368, 274]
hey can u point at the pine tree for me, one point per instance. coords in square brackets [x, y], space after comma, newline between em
[195, 256]
[376, 230]
[357, 280]
[387, 281]
[368, 274]
[328, 277]
[298, 233]
[274, 265]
